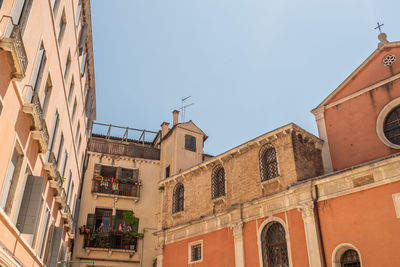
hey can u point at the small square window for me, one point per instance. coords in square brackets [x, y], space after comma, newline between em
[190, 142]
[196, 251]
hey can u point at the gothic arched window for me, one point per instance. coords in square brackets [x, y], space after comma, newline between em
[273, 245]
[350, 258]
[392, 126]
[218, 182]
[268, 162]
[178, 198]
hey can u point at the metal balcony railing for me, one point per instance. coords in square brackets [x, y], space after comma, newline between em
[122, 188]
[11, 42]
[111, 240]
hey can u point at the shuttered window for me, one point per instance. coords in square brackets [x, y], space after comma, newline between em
[31, 205]
[54, 248]
[190, 142]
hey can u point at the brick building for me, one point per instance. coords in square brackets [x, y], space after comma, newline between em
[288, 198]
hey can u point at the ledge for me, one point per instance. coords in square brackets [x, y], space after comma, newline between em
[96, 195]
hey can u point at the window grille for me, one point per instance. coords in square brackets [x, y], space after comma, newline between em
[190, 143]
[391, 127]
[350, 258]
[268, 163]
[178, 199]
[274, 248]
[195, 251]
[218, 182]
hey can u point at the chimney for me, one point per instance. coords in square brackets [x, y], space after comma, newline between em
[175, 115]
[164, 128]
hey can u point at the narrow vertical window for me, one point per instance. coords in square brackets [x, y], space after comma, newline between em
[46, 96]
[71, 90]
[79, 144]
[83, 63]
[54, 131]
[190, 142]
[78, 128]
[218, 182]
[43, 234]
[78, 12]
[67, 65]
[11, 180]
[65, 163]
[61, 27]
[60, 147]
[73, 112]
[56, 4]
[178, 198]
[38, 69]
[273, 244]
[167, 171]
[268, 162]
[69, 183]
[20, 13]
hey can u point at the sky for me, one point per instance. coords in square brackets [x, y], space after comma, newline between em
[250, 66]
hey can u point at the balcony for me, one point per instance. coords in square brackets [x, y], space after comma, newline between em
[33, 108]
[11, 42]
[116, 187]
[67, 215]
[51, 166]
[111, 240]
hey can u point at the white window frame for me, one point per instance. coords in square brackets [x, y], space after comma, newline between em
[338, 252]
[190, 245]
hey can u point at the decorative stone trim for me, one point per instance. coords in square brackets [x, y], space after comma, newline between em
[338, 252]
[381, 120]
[396, 202]
[190, 245]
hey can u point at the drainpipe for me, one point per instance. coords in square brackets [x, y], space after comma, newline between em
[317, 220]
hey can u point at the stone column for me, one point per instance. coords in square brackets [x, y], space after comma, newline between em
[160, 251]
[310, 228]
[326, 154]
[238, 243]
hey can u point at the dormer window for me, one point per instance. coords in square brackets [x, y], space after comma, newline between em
[190, 143]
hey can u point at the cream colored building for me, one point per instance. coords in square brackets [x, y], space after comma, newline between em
[47, 100]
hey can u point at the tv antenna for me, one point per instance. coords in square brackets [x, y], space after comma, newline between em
[184, 106]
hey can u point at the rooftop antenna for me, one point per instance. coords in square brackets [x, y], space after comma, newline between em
[184, 106]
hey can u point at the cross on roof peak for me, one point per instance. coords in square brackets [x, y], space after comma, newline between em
[379, 26]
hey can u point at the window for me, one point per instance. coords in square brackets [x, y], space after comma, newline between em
[54, 131]
[65, 163]
[190, 143]
[67, 65]
[268, 162]
[11, 180]
[21, 13]
[56, 4]
[103, 219]
[392, 126]
[350, 258]
[273, 246]
[78, 12]
[60, 147]
[46, 96]
[73, 113]
[71, 90]
[61, 27]
[43, 233]
[38, 68]
[83, 63]
[218, 182]
[196, 251]
[167, 171]
[178, 199]
[79, 144]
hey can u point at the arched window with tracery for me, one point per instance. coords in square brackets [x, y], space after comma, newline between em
[392, 126]
[268, 162]
[178, 198]
[274, 247]
[350, 258]
[218, 182]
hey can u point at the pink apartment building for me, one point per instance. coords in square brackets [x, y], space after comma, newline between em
[47, 103]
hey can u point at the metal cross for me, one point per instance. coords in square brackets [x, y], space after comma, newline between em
[379, 27]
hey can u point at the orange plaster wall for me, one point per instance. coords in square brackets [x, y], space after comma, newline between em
[251, 252]
[366, 219]
[218, 250]
[351, 127]
[372, 73]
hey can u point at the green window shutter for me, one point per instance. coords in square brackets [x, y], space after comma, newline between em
[90, 222]
[31, 204]
[135, 226]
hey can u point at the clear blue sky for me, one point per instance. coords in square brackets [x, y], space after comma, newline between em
[250, 65]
